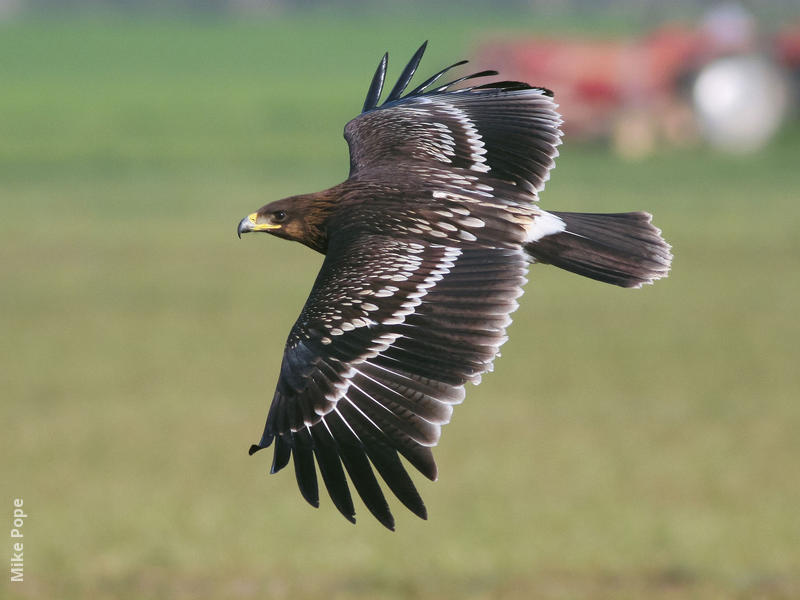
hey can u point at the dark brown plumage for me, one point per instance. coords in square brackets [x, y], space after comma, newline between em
[427, 245]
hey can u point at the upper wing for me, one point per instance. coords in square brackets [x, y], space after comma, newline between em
[391, 332]
[508, 130]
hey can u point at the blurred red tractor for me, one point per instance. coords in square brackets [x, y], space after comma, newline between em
[676, 85]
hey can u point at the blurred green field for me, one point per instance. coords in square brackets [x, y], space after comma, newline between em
[629, 444]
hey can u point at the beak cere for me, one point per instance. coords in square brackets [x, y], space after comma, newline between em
[249, 224]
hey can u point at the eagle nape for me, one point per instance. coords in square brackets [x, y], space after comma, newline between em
[427, 245]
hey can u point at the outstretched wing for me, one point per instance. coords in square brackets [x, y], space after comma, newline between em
[391, 332]
[507, 130]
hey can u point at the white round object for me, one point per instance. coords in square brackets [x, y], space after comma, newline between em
[740, 101]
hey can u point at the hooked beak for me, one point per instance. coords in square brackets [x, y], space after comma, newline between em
[249, 224]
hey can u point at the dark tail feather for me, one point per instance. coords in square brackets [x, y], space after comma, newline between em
[622, 248]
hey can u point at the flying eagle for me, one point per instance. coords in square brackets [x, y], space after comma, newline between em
[427, 245]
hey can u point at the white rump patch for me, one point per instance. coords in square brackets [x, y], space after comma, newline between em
[543, 225]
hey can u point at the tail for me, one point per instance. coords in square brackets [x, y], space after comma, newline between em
[622, 248]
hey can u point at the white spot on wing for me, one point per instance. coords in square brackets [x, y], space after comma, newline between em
[470, 222]
[474, 139]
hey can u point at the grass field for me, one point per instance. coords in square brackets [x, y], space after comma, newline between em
[630, 444]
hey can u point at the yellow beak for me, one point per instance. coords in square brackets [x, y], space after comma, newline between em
[249, 224]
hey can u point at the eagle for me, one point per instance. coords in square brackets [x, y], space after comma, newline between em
[427, 245]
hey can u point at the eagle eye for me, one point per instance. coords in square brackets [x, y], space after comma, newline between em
[279, 216]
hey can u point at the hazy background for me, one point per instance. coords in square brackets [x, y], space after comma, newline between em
[630, 443]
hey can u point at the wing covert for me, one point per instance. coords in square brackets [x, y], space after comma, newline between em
[391, 332]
